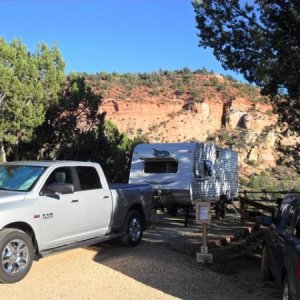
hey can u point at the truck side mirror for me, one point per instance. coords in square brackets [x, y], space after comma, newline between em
[61, 188]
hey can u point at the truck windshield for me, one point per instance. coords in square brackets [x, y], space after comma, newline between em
[19, 178]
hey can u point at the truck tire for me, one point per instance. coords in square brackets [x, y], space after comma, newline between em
[16, 255]
[265, 270]
[134, 225]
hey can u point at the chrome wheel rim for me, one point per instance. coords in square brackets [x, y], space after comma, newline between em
[285, 292]
[135, 229]
[15, 257]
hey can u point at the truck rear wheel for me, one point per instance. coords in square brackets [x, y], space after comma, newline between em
[16, 255]
[134, 225]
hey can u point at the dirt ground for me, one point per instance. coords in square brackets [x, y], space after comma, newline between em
[148, 271]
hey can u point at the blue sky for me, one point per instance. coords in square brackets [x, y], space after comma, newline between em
[111, 35]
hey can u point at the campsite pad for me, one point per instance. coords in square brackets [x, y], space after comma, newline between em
[225, 236]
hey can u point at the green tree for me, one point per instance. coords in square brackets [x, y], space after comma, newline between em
[29, 83]
[260, 39]
[74, 129]
[68, 123]
[106, 145]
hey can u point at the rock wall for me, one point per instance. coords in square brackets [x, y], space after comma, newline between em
[177, 120]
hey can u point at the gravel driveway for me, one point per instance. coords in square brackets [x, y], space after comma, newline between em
[149, 271]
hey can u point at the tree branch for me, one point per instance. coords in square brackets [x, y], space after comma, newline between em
[2, 96]
[243, 14]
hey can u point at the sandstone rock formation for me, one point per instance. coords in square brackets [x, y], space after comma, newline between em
[207, 106]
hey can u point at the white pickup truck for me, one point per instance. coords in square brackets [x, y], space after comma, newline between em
[48, 206]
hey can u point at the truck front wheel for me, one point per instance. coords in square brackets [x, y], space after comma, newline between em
[133, 229]
[16, 255]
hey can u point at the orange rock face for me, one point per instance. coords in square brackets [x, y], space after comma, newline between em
[171, 121]
[206, 105]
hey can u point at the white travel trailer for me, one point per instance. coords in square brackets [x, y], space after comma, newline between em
[183, 172]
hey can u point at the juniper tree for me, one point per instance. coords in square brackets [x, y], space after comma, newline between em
[29, 83]
[261, 40]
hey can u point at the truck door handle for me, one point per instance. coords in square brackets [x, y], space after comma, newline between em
[105, 197]
[74, 201]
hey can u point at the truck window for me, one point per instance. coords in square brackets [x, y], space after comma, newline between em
[59, 175]
[297, 222]
[88, 178]
[286, 215]
[161, 166]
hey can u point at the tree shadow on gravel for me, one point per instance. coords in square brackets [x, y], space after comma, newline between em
[180, 276]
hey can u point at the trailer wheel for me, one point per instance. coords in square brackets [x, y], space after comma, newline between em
[220, 209]
[16, 255]
[172, 211]
[134, 225]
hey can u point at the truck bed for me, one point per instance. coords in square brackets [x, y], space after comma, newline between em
[125, 195]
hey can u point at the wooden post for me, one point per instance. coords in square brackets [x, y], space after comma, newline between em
[242, 204]
[204, 235]
[187, 214]
[203, 216]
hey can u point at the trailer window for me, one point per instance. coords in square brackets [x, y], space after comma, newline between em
[208, 168]
[161, 167]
